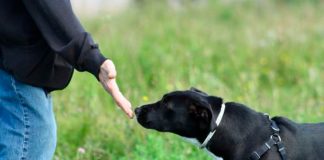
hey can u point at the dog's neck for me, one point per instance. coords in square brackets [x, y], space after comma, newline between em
[238, 133]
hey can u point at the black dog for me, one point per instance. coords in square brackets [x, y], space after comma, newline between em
[241, 133]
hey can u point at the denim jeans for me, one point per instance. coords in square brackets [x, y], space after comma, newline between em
[27, 122]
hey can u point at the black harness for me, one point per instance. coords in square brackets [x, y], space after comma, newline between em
[275, 139]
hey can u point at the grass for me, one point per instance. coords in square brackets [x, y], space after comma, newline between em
[267, 55]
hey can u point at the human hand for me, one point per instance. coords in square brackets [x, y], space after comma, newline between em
[107, 77]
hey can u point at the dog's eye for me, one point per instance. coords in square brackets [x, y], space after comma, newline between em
[165, 105]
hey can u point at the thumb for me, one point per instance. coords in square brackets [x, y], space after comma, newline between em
[111, 68]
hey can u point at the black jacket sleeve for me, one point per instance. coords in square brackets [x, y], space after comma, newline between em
[64, 33]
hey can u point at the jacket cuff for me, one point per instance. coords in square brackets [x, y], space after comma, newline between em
[91, 57]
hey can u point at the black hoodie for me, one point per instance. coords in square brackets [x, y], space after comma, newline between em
[41, 41]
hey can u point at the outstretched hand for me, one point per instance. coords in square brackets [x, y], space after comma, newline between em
[107, 77]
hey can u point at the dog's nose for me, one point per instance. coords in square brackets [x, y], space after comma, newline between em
[137, 111]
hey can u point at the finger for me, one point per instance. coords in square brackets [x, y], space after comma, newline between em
[119, 98]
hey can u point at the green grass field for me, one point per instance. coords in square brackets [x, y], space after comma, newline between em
[268, 55]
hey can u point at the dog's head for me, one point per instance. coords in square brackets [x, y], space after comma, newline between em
[186, 113]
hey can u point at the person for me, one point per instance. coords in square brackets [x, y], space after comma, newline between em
[41, 42]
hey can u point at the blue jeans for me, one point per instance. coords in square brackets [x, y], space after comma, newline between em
[27, 122]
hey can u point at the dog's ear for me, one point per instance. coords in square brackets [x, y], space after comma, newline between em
[200, 111]
[206, 111]
[198, 91]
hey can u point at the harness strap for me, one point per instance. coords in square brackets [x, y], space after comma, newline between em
[282, 151]
[275, 139]
[262, 150]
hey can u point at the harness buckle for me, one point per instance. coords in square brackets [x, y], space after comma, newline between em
[257, 155]
[274, 126]
[276, 137]
[267, 115]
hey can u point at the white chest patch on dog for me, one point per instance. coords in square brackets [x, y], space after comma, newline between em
[198, 144]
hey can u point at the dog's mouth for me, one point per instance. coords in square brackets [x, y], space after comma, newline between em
[145, 123]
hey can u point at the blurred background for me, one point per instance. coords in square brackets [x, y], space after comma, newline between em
[267, 54]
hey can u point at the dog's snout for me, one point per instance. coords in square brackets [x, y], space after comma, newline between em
[141, 110]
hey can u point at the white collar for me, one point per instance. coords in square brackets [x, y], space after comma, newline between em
[218, 120]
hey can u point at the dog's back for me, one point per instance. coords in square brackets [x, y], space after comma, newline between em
[312, 136]
[302, 140]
